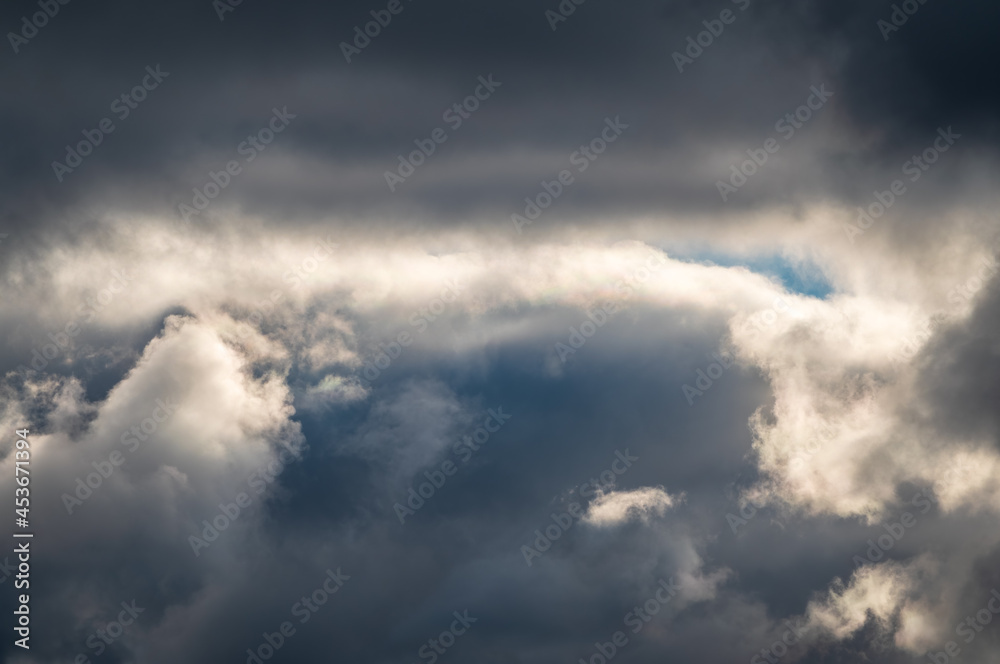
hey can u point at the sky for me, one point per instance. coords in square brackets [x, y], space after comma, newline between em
[565, 331]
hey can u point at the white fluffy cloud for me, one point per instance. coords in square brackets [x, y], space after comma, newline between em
[616, 507]
[847, 427]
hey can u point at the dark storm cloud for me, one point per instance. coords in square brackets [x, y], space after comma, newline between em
[354, 120]
[960, 370]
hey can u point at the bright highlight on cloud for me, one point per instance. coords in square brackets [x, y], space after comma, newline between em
[618, 507]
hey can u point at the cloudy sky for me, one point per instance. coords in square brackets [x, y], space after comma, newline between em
[393, 332]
